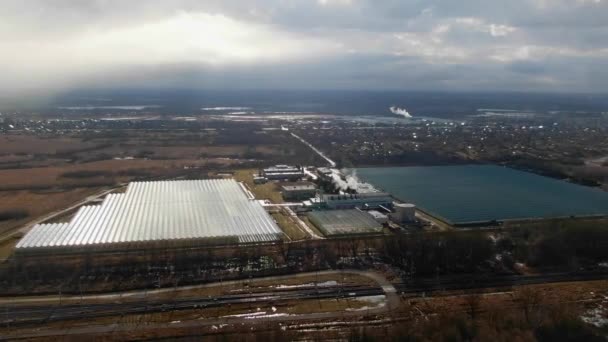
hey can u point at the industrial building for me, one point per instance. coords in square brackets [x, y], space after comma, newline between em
[159, 214]
[298, 191]
[404, 212]
[372, 200]
[282, 172]
[324, 173]
[378, 216]
[340, 223]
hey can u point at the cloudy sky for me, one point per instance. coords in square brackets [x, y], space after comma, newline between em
[542, 45]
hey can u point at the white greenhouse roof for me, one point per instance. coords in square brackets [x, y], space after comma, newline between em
[159, 211]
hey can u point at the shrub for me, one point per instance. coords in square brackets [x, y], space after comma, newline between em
[13, 214]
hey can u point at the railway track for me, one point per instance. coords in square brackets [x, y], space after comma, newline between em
[19, 315]
[38, 314]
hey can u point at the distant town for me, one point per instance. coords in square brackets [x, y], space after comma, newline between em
[224, 223]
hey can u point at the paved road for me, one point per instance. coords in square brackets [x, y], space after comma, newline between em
[316, 150]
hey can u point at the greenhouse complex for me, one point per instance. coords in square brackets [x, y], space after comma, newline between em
[160, 214]
[340, 223]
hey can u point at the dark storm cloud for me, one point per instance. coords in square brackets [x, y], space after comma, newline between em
[356, 44]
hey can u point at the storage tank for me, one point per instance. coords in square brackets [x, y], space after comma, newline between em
[404, 212]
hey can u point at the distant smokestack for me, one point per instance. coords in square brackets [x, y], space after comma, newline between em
[400, 111]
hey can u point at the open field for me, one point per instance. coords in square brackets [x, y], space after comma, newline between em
[31, 144]
[312, 227]
[38, 203]
[269, 191]
[6, 248]
[100, 172]
[293, 231]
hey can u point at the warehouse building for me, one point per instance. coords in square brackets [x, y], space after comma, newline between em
[373, 200]
[341, 223]
[282, 172]
[325, 173]
[161, 214]
[298, 191]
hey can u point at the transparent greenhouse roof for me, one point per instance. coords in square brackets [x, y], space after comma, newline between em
[164, 210]
[342, 222]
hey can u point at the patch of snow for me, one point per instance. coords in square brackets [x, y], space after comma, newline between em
[375, 302]
[247, 315]
[322, 284]
[255, 315]
[268, 316]
[373, 299]
[597, 316]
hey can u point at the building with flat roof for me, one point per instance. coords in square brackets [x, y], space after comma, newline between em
[372, 200]
[324, 173]
[298, 191]
[283, 172]
[185, 213]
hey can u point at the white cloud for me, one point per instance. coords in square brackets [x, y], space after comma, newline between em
[184, 38]
[481, 25]
[334, 2]
[500, 30]
[68, 42]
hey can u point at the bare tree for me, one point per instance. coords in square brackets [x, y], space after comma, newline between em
[473, 304]
[528, 299]
[284, 249]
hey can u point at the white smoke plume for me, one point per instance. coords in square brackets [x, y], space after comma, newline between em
[336, 177]
[347, 179]
[400, 111]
